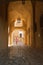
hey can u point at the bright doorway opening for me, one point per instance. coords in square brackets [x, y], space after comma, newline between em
[17, 38]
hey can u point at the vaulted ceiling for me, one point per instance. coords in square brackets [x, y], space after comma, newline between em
[17, 9]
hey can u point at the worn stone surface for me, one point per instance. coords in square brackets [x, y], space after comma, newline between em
[22, 56]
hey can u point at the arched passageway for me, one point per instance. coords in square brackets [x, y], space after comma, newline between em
[18, 12]
[20, 33]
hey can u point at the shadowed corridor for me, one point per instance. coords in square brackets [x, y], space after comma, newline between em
[21, 32]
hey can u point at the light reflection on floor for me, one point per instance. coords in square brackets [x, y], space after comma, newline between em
[17, 44]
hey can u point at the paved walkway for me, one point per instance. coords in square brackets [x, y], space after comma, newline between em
[22, 55]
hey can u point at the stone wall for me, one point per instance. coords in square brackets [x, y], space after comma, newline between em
[38, 12]
[3, 27]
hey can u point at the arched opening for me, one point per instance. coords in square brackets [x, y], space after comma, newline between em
[18, 37]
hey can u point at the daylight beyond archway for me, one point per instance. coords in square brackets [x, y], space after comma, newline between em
[18, 37]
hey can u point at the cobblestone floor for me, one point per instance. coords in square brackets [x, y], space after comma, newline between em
[22, 56]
